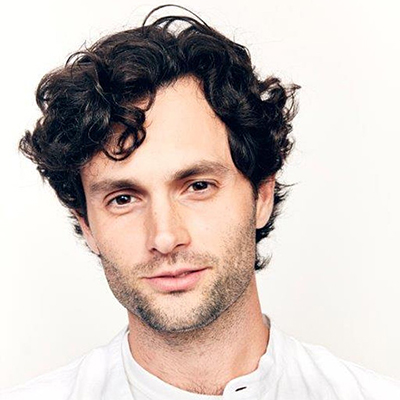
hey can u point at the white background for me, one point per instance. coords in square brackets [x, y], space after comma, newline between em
[334, 278]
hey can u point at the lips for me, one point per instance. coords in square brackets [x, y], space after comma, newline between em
[180, 280]
[175, 274]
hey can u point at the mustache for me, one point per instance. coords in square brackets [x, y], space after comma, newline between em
[183, 257]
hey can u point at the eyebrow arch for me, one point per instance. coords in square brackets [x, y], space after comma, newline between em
[199, 168]
[112, 185]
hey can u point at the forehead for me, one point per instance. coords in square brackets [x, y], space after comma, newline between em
[181, 130]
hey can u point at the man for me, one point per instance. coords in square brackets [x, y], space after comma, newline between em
[164, 144]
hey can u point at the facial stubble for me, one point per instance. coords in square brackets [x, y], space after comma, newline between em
[234, 271]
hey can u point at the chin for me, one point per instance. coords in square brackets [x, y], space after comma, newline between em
[179, 320]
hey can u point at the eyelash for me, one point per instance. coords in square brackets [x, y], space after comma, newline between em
[202, 182]
[116, 198]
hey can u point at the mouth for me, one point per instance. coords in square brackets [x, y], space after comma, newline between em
[180, 280]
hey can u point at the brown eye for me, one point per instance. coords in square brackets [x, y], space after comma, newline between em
[122, 200]
[201, 185]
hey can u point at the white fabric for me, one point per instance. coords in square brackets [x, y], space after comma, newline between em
[289, 370]
[145, 386]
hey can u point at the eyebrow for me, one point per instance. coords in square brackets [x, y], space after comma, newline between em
[199, 168]
[112, 185]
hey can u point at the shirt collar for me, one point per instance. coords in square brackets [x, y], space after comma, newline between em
[251, 386]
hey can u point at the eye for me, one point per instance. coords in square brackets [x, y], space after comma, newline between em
[202, 190]
[122, 200]
[199, 186]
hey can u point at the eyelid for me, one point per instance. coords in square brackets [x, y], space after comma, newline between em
[198, 180]
[113, 196]
[211, 183]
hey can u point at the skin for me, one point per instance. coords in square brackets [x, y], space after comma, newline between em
[180, 202]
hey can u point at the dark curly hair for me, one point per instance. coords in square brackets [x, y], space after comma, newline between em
[100, 87]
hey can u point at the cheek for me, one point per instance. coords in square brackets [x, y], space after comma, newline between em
[119, 237]
[215, 224]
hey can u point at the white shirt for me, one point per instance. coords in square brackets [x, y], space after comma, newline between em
[289, 370]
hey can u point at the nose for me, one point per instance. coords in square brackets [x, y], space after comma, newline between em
[167, 230]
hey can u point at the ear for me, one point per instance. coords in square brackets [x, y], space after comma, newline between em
[87, 233]
[265, 202]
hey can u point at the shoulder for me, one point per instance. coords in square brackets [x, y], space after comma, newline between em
[85, 378]
[316, 367]
[54, 385]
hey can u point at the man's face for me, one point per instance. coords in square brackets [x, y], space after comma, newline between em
[174, 224]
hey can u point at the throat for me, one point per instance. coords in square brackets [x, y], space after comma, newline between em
[204, 360]
[166, 382]
[200, 366]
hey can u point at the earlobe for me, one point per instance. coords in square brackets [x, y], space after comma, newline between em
[265, 202]
[87, 233]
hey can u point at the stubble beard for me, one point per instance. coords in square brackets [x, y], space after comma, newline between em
[236, 270]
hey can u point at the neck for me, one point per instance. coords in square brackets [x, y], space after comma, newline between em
[229, 347]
